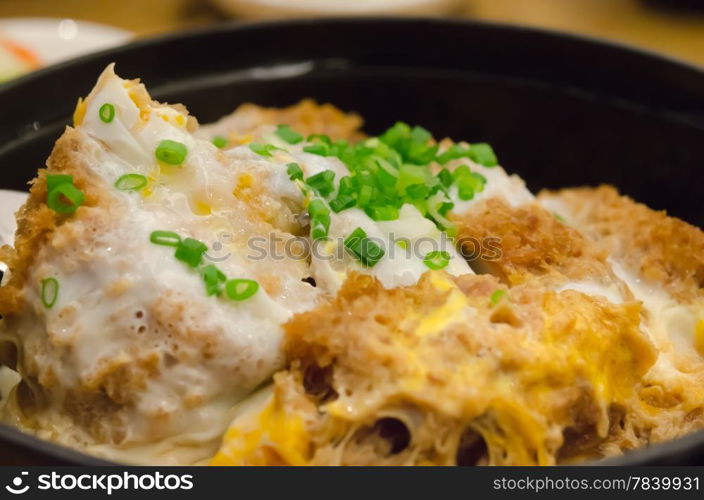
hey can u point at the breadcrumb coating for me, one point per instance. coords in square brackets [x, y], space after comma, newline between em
[435, 374]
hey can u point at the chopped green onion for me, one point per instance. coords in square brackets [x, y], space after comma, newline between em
[106, 112]
[397, 135]
[454, 152]
[417, 191]
[165, 238]
[220, 142]
[483, 154]
[421, 154]
[322, 182]
[436, 204]
[294, 171]
[265, 150]
[559, 217]
[364, 196]
[478, 181]
[171, 152]
[497, 296]
[470, 183]
[411, 174]
[65, 198]
[53, 180]
[445, 207]
[50, 292]
[214, 279]
[342, 202]
[320, 149]
[130, 182]
[383, 212]
[387, 175]
[465, 190]
[319, 137]
[319, 227]
[364, 249]
[320, 219]
[461, 172]
[438, 259]
[365, 177]
[317, 207]
[190, 251]
[419, 134]
[288, 134]
[241, 289]
[346, 185]
[445, 177]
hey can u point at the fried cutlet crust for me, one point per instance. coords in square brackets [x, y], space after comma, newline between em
[660, 248]
[532, 243]
[538, 378]
[306, 117]
[36, 221]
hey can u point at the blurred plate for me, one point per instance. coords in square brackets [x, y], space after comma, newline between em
[10, 202]
[37, 42]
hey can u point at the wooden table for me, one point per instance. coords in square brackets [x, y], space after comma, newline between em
[675, 32]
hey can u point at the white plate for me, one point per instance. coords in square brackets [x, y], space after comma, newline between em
[55, 40]
[10, 202]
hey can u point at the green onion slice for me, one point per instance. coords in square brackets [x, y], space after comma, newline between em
[410, 175]
[497, 296]
[219, 142]
[190, 251]
[50, 292]
[445, 177]
[294, 171]
[454, 152]
[265, 150]
[288, 134]
[241, 289]
[382, 212]
[365, 196]
[106, 112]
[436, 205]
[165, 238]
[131, 182]
[322, 182]
[342, 202]
[320, 149]
[483, 154]
[319, 227]
[53, 180]
[171, 152]
[317, 207]
[65, 198]
[465, 189]
[438, 259]
[363, 249]
[214, 279]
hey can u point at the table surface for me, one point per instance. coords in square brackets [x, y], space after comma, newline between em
[677, 32]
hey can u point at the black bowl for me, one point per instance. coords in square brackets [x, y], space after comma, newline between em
[560, 110]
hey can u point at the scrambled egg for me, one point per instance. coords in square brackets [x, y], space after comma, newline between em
[410, 373]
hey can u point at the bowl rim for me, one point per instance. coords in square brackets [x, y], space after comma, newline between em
[302, 23]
